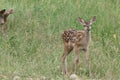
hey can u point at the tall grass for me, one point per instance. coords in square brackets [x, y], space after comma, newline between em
[32, 46]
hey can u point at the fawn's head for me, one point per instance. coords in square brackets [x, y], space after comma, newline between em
[87, 24]
[3, 15]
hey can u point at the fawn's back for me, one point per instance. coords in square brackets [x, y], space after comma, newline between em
[74, 37]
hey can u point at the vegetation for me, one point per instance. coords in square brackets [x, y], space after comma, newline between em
[32, 46]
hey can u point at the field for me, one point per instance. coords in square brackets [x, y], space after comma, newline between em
[32, 47]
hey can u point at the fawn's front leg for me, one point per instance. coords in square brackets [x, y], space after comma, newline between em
[76, 60]
[88, 62]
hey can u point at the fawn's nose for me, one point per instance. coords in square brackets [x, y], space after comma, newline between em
[88, 29]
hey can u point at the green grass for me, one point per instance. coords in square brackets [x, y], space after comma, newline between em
[32, 46]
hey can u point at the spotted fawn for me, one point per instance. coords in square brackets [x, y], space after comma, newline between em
[78, 40]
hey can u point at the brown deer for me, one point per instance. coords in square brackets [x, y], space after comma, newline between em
[77, 40]
[3, 17]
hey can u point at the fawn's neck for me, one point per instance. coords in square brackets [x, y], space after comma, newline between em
[88, 35]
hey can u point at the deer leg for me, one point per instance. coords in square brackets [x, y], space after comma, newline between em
[64, 63]
[67, 50]
[76, 60]
[88, 61]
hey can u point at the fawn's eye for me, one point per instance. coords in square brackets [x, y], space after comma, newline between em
[84, 25]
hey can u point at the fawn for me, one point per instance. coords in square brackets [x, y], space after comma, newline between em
[77, 40]
[3, 17]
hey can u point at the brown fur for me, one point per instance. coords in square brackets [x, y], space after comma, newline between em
[3, 17]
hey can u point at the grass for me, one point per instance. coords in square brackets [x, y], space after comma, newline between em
[33, 45]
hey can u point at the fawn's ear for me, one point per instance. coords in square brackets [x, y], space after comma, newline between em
[11, 11]
[8, 12]
[93, 20]
[81, 21]
[2, 11]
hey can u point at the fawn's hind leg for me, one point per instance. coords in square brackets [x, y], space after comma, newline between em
[67, 50]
